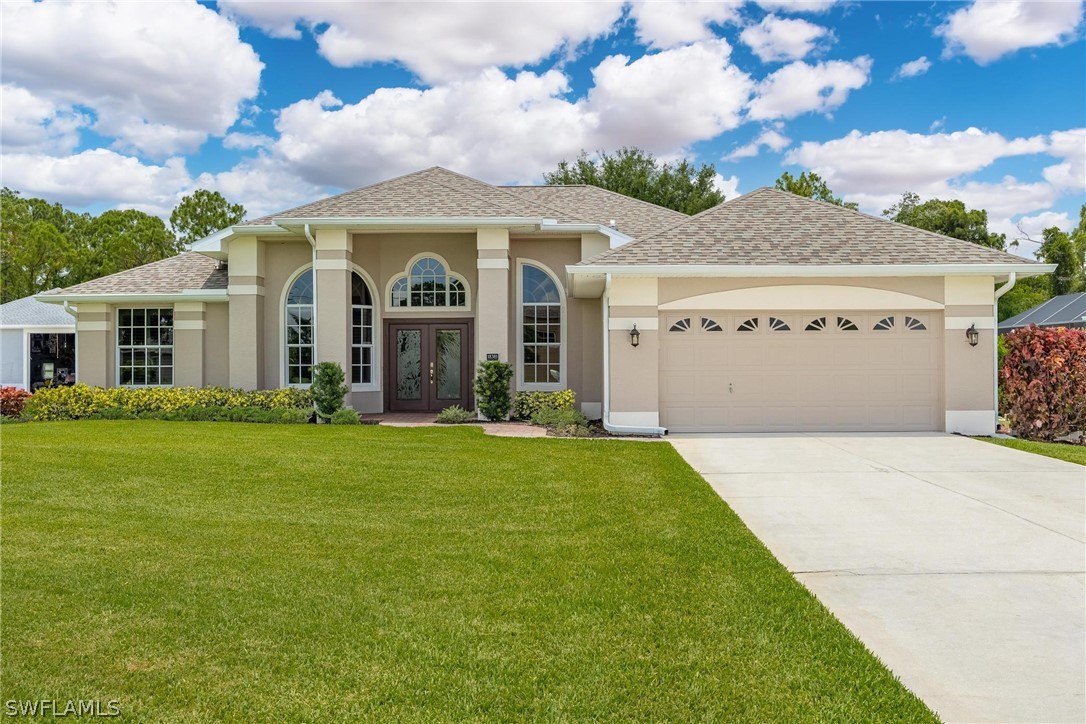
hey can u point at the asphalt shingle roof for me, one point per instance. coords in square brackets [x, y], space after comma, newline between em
[773, 227]
[189, 270]
[29, 312]
[1062, 311]
[633, 217]
[433, 193]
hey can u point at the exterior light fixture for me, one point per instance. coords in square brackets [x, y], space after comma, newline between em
[972, 335]
[635, 337]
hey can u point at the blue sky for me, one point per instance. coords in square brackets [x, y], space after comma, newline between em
[135, 104]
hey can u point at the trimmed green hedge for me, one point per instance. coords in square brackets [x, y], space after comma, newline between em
[82, 401]
[527, 404]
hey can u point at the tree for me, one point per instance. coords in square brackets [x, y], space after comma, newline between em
[810, 185]
[950, 218]
[36, 247]
[636, 173]
[203, 212]
[122, 239]
[1056, 248]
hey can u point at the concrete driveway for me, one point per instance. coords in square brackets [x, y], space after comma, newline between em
[960, 564]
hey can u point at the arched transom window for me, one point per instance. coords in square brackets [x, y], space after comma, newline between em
[541, 328]
[428, 284]
[299, 330]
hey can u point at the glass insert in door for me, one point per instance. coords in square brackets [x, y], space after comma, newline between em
[409, 364]
[448, 364]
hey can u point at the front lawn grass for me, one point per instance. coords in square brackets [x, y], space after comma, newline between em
[1059, 450]
[198, 571]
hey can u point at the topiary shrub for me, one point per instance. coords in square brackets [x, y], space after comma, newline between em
[328, 388]
[296, 416]
[1044, 382]
[12, 401]
[492, 389]
[526, 404]
[455, 415]
[344, 416]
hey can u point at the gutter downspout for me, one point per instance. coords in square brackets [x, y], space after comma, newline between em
[616, 429]
[1011, 279]
[313, 242]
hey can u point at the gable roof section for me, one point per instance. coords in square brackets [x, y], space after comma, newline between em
[632, 217]
[29, 312]
[1065, 310]
[433, 193]
[187, 271]
[769, 227]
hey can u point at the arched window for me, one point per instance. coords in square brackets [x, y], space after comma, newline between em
[428, 284]
[541, 328]
[299, 330]
[362, 363]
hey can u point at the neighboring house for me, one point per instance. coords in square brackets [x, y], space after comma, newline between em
[1066, 310]
[37, 344]
[770, 312]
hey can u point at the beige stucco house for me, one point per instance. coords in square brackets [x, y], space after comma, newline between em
[769, 312]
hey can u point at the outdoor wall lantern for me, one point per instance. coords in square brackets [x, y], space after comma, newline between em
[972, 335]
[635, 337]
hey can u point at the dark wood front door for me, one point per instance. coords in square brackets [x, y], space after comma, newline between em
[428, 366]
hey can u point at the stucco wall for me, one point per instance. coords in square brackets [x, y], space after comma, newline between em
[217, 345]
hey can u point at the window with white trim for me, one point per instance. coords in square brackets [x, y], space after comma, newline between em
[541, 327]
[145, 347]
[428, 284]
[298, 333]
[361, 331]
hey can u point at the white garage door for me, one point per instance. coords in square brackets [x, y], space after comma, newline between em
[762, 371]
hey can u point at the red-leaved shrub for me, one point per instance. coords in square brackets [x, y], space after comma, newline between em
[1044, 382]
[12, 401]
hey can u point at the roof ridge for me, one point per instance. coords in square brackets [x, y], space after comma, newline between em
[495, 188]
[600, 188]
[688, 219]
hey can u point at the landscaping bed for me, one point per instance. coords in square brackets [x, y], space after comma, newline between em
[255, 572]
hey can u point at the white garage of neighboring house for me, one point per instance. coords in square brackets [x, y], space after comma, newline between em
[37, 344]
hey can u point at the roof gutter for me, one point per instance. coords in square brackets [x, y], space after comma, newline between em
[809, 270]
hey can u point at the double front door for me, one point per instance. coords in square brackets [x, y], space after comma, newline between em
[429, 365]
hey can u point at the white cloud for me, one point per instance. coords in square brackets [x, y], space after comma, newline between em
[95, 176]
[669, 24]
[491, 126]
[782, 39]
[666, 100]
[246, 141]
[987, 30]
[874, 169]
[727, 186]
[913, 68]
[262, 185]
[800, 88]
[1027, 230]
[159, 81]
[31, 123]
[769, 138]
[437, 41]
[796, 6]
[1070, 148]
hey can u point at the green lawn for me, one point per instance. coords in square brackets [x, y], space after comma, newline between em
[1058, 450]
[253, 572]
